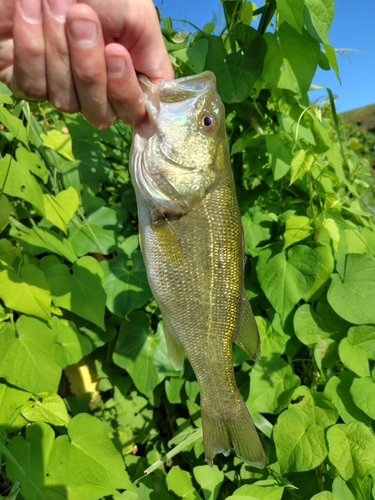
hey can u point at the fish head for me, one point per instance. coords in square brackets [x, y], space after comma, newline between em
[180, 150]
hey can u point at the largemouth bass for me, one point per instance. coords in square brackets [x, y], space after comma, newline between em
[192, 244]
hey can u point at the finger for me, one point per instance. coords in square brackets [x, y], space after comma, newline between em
[86, 47]
[60, 84]
[142, 33]
[124, 92]
[6, 61]
[29, 72]
[6, 41]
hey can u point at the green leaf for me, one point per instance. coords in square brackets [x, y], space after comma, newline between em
[272, 385]
[194, 57]
[49, 408]
[352, 291]
[11, 400]
[125, 283]
[237, 72]
[317, 406]
[273, 342]
[17, 180]
[299, 446]
[297, 228]
[29, 294]
[318, 17]
[81, 292]
[14, 125]
[325, 495]
[291, 59]
[27, 459]
[142, 353]
[292, 12]
[6, 210]
[341, 490]
[33, 162]
[173, 388]
[288, 277]
[86, 460]
[209, 479]
[39, 240]
[60, 209]
[325, 269]
[263, 490]
[351, 449]
[308, 326]
[280, 156]
[97, 233]
[179, 481]
[363, 393]
[257, 228]
[363, 337]
[354, 358]
[71, 346]
[300, 165]
[338, 390]
[59, 142]
[29, 346]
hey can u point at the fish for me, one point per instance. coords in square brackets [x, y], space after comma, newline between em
[193, 248]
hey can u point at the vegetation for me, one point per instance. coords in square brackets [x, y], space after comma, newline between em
[76, 306]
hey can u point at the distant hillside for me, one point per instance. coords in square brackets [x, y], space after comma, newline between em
[364, 117]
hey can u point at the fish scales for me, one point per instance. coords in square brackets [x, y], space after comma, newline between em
[193, 251]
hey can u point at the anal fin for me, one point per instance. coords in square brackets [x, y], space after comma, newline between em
[175, 351]
[248, 336]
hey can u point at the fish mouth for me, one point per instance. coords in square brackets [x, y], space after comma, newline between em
[169, 91]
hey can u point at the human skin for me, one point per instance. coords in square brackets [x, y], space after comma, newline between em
[83, 56]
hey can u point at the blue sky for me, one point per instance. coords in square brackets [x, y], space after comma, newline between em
[352, 34]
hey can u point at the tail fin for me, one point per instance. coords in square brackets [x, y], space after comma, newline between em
[235, 430]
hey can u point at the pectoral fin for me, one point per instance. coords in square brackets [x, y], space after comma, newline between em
[168, 242]
[248, 336]
[175, 351]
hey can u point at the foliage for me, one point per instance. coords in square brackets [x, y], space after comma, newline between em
[86, 385]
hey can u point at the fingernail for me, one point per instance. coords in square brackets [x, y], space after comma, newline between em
[116, 65]
[84, 31]
[32, 10]
[59, 8]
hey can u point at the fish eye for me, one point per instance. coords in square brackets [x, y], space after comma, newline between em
[208, 122]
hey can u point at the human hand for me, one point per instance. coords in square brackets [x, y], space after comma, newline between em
[83, 56]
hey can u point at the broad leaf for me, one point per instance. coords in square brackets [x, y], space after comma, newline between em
[29, 294]
[60, 209]
[27, 459]
[96, 233]
[17, 180]
[86, 458]
[179, 481]
[287, 277]
[363, 393]
[292, 12]
[11, 400]
[297, 228]
[39, 240]
[291, 59]
[29, 346]
[209, 479]
[81, 292]
[272, 385]
[351, 449]
[352, 291]
[142, 353]
[125, 283]
[59, 142]
[49, 408]
[299, 446]
[263, 490]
